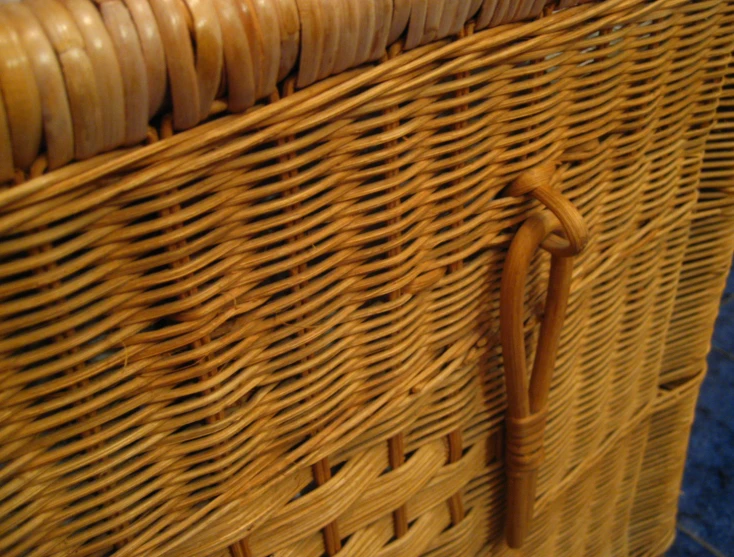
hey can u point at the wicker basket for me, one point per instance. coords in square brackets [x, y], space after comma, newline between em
[260, 261]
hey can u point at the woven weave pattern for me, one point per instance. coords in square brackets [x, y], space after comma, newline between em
[83, 77]
[278, 333]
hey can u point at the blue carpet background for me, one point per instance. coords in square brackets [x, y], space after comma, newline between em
[706, 515]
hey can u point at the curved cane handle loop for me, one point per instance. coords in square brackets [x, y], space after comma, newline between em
[536, 183]
[527, 400]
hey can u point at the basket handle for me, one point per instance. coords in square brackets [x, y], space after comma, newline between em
[527, 399]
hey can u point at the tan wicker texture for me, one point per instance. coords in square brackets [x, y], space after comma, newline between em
[88, 79]
[278, 333]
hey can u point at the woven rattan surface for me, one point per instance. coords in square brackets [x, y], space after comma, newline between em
[82, 77]
[277, 333]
